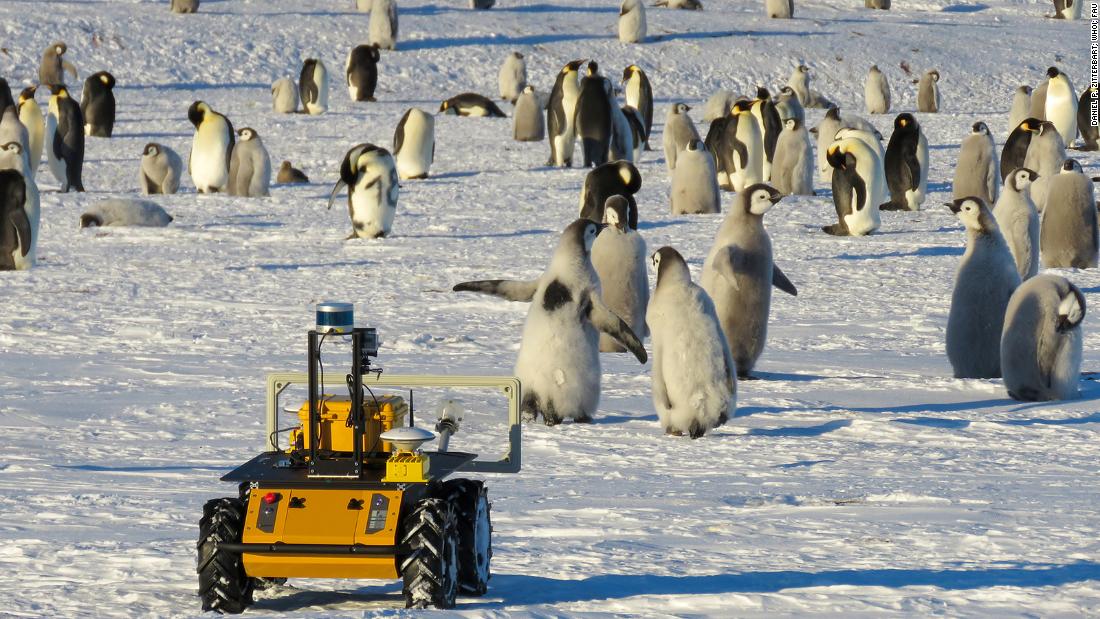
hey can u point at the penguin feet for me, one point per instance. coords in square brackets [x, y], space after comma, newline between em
[836, 230]
[722, 419]
[696, 430]
[671, 432]
[746, 376]
[893, 206]
[372, 100]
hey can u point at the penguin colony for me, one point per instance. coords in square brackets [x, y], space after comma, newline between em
[1024, 207]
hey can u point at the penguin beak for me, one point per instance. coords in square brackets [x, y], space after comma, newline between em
[776, 198]
[955, 206]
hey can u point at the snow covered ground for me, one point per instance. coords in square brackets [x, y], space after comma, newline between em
[858, 479]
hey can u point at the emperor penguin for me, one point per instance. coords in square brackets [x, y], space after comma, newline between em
[614, 178]
[161, 168]
[32, 118]
[528, 124]
[876, 92]
[97, 104]
[13, 159]
[694, 374]
[859, 187]
[1045, 155]
[290, 175]
[788, 105]
[984, 283]
[383, 24]
[1090, 134]
[125, 212]
[779, 9]
[1014, 152]
[559, 359]
[831, 125]
[683, 5]
[793, 164]
[1061, 105]
[185, 6]
[770, 125]
[1042, 342]
[414, 144]
[284, 96]
[1038, 107]
[1021, 106]
[1067, 9]
[718, 105]
[679, 132]
[632, 27]
[51, 71]
[628, 133]
[65, 151]
[15, 229]
[740, 149]
[593, 120]
[560, 114]
[928, 92]
[739, 273]
[211, 148]
[249, 166]
[1068, 225]
[1018, 220]
[695, 181]
[512, 78]
[313, 86]
[470, 104]
[619, 257]
[5, 94]
[976, 170]
[867, 137]
[361, 72]
[639, 95]
[369, 173]
[906, 165]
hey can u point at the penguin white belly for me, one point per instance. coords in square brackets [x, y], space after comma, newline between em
[415, 158]
[632, 26]
[914, 198]
[559, 361]
[208, 157]
[371, 213]
[693, 371]
[634, 92]
[353, 91]
[56, 165]
[565, 143]
[1066, 371]
[1061, 109]
[31, 117]
[475, 111]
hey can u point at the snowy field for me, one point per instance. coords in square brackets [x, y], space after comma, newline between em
[858, 478]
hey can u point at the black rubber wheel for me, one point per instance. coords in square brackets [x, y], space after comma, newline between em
[430, 572]
[223, 585]
[475, 529]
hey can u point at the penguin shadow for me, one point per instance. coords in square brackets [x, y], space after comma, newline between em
[964, 8]
[150, 135]
[195, 86]
[624, 418]
[925, 252]
[654, 225]
[718, 34]
[487, 235]
[801, 431]
[289, 599]
[534, 39]
[295, 266]
[555, 8]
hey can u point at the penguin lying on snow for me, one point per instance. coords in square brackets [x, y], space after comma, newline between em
[290, 175]
[559, 359]
[1041, 342]
[125, 212]
[470, 104]
[694, 375]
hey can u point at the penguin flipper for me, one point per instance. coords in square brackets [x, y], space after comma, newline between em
[728, 262]
[22, 225]
[510, 289]
[780, 281]
[68, 66]
[607, 322]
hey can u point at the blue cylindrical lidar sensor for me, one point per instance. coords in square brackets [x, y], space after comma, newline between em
[335, 317]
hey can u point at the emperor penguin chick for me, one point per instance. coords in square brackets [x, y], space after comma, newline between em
[694, 184]
[382, 30]
[1068, 224]
[528, 123]
[984, 283]
[739, 274]
[161, 168]
[1041, 343]
[876, 92]
[977, 172]
[1021, 105]
[559, 359]
[513, 77]
[619, 257]
[249, 166]
[928, 92]
[632, 27]
[679, 132]
[1019, 221]
[793, 164]
[694, 375]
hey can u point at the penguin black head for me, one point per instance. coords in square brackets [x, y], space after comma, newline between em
[1071, 165]
[905, 122]
[59, 90]
[1071, 310]
[106, 79]
[593, 68]
[762, 93]
[668, 262]
[836, 156]
[88, 220]
[151, 149]
[979, 127]
[1025, 89]
[680, 108]
[874, 68]
[741, 106]
[791, 123]
[445, 107]
[974, 214]
[803, 68]
[60, 48]
[516, 55]
[247, 133]
[694, 145]
[788, 91]
[833, 113]
[27, 94]
[629, 175]
[197, 112]
[1031, 125]
[1021, 178]
[935, 75]
[12, 147]
[572, 66]
[630, 71]
[759, 198]
[1053, 72]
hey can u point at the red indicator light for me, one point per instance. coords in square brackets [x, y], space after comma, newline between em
[271, 497]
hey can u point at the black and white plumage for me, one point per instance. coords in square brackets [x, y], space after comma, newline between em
[370, 174]
[559, 360]
[125, 212]
[249, 166]
[13, 130]
[1061, 104]
[1067, 9]
[414, 144]
[97, 104]
[1018, 220]
[619, 257]
[906, 165]
[161, 169]
[738, 148]
[684, 5]
[984, 283]
[770, 125]
[1068, 236]
[1045, 154]
[66, 148]
[313, 86]
[610, 179]
[859, 187]
[560, 114]
[361, 72]
[593, 121]
[977, 171]
[639, 95]
[15, 229]
[1041, 343]
[471, 104]
[208, 163]
[627, 133]
[694, 374]
[1014, 151]
[30, 114]
[1090, 135]
[739, 273]
[789, 106]
[12, 157]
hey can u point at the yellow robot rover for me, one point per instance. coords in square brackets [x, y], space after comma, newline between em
[352, 495]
